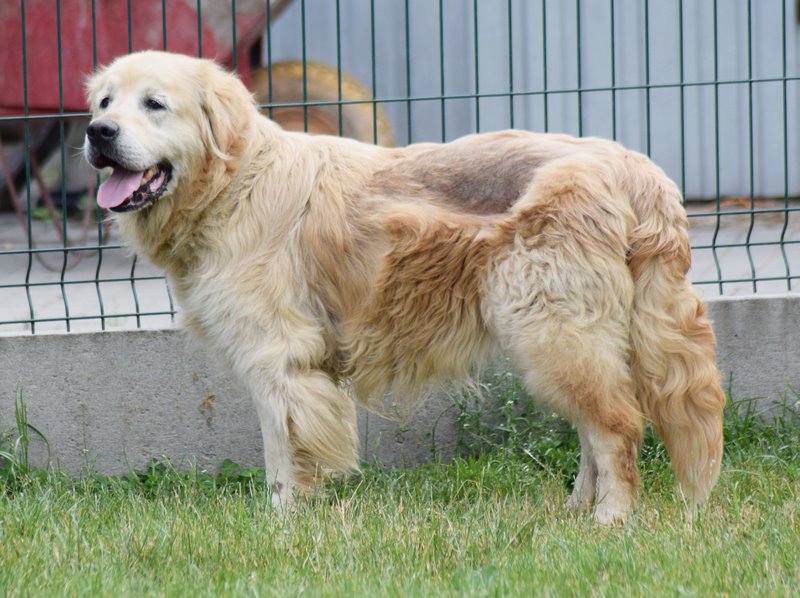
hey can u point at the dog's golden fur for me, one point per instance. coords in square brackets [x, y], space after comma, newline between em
[325, 269]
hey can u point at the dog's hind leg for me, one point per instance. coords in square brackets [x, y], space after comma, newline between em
[583, 493]
[614, 450]
[566, 330]
[592, 387]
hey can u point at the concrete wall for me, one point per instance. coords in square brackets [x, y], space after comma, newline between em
[111, 401]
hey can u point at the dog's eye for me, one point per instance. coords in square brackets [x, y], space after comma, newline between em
[105, 102]
[153, 104]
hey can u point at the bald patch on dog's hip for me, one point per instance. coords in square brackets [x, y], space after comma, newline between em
[474, 175]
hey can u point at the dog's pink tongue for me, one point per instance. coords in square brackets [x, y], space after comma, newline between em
[118, 187]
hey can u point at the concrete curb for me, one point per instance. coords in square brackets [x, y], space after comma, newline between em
[111, 401]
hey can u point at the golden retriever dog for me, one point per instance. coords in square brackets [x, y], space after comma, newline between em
[328, 271]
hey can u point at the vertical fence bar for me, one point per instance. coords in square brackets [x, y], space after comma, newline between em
[234, 43]
[134, 293]
[578, 57]
[682, 79]
[63, 165]
[200, 29]
[544, 67]
[269, 57]
[441, 68]
[134, 261]
[510, 66]
[340, 107]
[613, 73]
[27, 149]
[130, 28]
[374, 75]
[172, 309]
[785, 150]
[94, 32]
[647, 74]
[408, 73]
[164, 23]
[750, 143]
[305, 63]
[476, 66]
[97, 208]
[716, 151]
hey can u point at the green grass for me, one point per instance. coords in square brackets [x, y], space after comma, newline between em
[488, 523]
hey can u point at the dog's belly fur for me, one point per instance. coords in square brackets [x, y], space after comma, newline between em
[422, 316]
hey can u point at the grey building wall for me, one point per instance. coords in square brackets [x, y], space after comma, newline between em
[689, 130]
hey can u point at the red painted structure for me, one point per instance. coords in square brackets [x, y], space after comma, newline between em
[77, 34]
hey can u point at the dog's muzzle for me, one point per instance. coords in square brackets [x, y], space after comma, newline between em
[128, 188]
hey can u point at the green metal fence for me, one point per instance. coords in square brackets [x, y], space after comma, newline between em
[708, 89]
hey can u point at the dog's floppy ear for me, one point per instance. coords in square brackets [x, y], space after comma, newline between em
[227, 107]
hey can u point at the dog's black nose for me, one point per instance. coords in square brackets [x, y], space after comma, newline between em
[102, 131]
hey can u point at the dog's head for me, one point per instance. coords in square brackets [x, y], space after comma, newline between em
[157, 121]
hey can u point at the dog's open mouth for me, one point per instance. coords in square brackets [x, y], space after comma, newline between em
[127, 190]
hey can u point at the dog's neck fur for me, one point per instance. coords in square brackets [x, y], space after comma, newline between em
[281, 175]
[178, 230]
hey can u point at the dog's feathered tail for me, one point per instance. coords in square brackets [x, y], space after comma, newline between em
[673, 344]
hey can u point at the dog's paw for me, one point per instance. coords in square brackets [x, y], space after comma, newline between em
[579, 501]
[608, 514]
[283, 498]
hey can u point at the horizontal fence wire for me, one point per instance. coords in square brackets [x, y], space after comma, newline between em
[720, 115]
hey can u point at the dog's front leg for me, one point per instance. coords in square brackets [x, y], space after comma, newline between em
[308, 425]
[280, 470]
